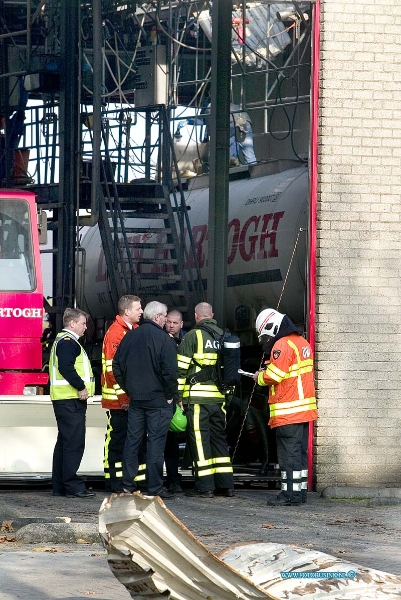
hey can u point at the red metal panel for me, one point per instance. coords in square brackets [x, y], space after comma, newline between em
[21, 317]
[13, 383]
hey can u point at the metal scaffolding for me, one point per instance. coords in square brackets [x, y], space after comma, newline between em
[79, 80]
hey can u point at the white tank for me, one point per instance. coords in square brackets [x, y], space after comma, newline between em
[267, 222]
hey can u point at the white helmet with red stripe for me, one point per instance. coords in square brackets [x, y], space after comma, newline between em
[268, 322]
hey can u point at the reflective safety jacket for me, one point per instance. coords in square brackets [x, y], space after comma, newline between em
[113, 396]
[197, 350]
[60, 389]
[289, 373]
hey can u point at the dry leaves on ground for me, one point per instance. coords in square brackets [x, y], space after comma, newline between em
[48, 549]
[6, 527]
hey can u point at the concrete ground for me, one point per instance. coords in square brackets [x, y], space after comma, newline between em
[43, 557]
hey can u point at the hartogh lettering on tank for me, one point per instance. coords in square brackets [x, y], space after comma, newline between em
[253, 240]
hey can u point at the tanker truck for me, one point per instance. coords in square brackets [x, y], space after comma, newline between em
[266, 266]
[267, 239]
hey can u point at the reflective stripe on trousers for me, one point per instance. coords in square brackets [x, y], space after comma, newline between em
[292, 455]
[116, 432]
[208, 446]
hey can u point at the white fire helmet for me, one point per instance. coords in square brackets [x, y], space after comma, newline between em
[268, 322]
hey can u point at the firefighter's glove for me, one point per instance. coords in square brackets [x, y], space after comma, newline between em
[258, 377]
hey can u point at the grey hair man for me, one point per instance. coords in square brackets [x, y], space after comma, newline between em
[145, 366]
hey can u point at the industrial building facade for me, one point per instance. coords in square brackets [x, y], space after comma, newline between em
[98, 69]
[358, 288]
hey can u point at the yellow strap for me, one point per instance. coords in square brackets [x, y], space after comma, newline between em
[298, 372]
[289, 408]
[300, 386]
[302, 363]
[204, 463]
[183, 358]
[277, 372]
[223, 470]
[106, 396]
[198, 438]
[201, 394]
[206, 472]
[199, 338]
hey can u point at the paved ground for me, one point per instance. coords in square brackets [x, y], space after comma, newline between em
[350, 529]
[69, 573]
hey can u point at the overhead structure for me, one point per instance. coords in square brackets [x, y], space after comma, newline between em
[110, 106]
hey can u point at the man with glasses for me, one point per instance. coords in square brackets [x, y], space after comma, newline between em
[145, 366]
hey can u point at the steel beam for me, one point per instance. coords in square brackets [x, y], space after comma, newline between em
[219, 158]
[64, 284]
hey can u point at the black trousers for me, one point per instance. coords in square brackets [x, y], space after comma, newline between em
[70, 445]
[206, 437]
[154, 422]
[172, 458]
[116, 432]
[292, 456]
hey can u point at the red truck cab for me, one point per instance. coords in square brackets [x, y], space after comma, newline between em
[21, 296]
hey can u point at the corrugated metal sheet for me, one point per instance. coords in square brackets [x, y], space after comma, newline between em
[291, 572]
[155, 556]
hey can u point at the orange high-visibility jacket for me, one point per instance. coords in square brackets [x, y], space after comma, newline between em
[289, 373]
[112, 395]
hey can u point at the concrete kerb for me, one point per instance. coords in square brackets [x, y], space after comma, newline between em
[12, 525]
[376, 496]
[47, 530]
[58, 533]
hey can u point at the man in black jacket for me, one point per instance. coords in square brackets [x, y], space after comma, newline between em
[145, 366]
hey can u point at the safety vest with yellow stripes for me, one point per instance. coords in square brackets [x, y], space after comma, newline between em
[197, 350]
[60, 389]
[289, 373]
[113, 396]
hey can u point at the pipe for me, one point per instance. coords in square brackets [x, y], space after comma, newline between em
[14, 74]
[3, 36]
[313, 204]
[219, 156]
[28, 35]
[96, 134]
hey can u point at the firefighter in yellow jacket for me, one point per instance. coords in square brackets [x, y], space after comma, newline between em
[114, 399]
[205, 409]
[71, 384]
[288, 371]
